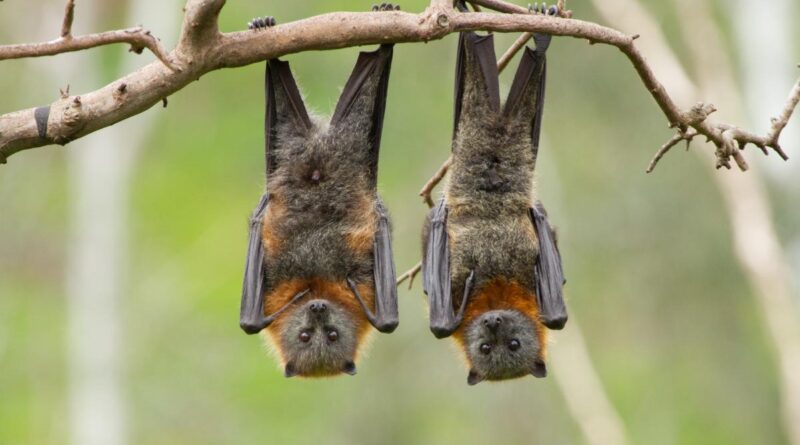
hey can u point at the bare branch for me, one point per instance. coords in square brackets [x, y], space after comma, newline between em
[508, 55]
[409, 275]
[69, 14]
[680, 136]
[137, 37]
[434, 181]
[202, 49]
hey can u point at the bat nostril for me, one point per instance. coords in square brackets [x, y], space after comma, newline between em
[493, 322]
[318, 307]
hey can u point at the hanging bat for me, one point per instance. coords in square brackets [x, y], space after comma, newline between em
[491, 267]
[319, 267]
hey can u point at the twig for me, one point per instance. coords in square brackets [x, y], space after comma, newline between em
[508, 55]
[409, 275]
[434, 181]
[680, 136]
[137, 37]
[69, 14]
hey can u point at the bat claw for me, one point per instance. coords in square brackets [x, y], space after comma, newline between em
[386, 7]
[261, 23]
[536, 8]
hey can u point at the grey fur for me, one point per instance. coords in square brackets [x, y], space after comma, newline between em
[501, 362]
[319, 355]
[488, 197]
[321, 213]
[321, 182]
[490, 190]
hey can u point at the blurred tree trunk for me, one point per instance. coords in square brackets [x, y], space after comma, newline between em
[583, 390]
[100, 169]
[756, 243]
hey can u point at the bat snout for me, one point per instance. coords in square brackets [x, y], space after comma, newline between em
[318, 309]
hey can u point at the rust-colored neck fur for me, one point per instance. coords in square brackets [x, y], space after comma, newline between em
[335, 292]
[501, 293]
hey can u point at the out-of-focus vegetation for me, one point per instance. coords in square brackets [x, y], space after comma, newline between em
[671, 324]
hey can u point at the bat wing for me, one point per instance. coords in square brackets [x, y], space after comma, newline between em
[548, 272]
[284, 110]
[363, 99]
[479, 50]
[385, 318]
[526, 97]
[251, 311]
[436, 276]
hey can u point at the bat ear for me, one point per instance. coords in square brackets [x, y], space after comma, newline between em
[289, 370]
[286, 114]
[539, 369]
[363, 101]
[473, 378]
[526, 97]
[349, 368]
[477, 84]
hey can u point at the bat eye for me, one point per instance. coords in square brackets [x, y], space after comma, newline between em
[514, 344]
[333, 335]
[305, 337]
[486, 348]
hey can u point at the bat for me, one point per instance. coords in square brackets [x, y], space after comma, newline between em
[491, 266]
[319, 273]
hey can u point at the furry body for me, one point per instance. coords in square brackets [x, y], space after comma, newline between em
[492, 247]
[320, 268]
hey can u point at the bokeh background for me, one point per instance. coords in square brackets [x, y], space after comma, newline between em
[121, 255]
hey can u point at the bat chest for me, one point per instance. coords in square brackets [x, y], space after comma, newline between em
[308, 246]
[500, 247]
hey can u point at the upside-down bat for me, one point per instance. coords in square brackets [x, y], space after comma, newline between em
[491, 267]
[319, 264]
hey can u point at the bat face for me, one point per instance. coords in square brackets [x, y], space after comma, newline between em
[502, 344]
[318, 338]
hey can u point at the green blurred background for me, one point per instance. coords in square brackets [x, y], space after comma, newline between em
[670, 321]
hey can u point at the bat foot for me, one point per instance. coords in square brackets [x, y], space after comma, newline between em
[261, 23]
[386, 7]
[536, 8]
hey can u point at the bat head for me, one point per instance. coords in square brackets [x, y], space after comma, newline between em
[503, 344]
[319, 338]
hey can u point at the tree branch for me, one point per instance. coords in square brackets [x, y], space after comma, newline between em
[137, 37]
[202, 48]
[69, 14]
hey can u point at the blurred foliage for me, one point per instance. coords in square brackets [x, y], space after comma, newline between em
[670, 321]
